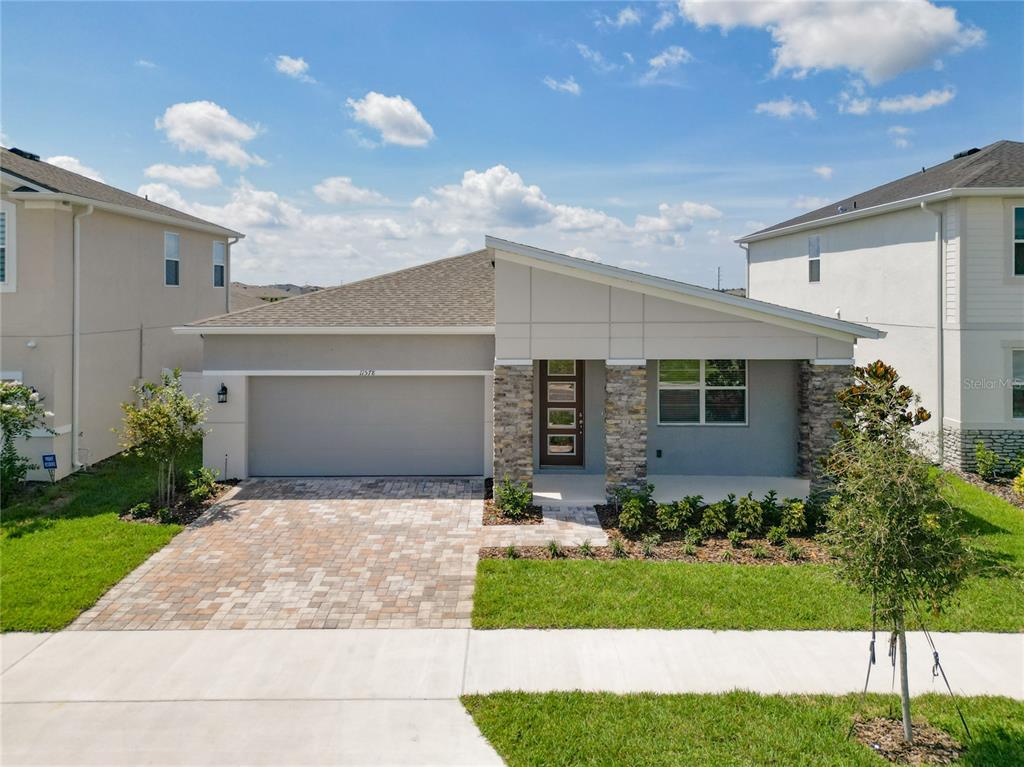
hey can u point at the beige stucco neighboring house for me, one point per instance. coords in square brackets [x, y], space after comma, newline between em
[92, 281]
[521, 362]
[936, 259]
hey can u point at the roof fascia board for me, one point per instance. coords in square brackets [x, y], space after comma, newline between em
[335, 330]
[682, 293]
[127, 211]
[909, 202]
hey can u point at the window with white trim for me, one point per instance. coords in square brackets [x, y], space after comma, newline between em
[8, 252]
[1017, 384]
[219, 260]
[1018, 242]
[172, 258]
[814, 259]
[696, 392]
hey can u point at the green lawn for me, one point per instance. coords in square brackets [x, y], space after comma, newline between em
[62, 546]
[737, 728]
[668, 595]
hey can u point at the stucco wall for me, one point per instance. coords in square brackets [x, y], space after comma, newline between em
[767, 446]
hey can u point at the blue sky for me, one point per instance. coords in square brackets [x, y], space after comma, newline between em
[351, 139]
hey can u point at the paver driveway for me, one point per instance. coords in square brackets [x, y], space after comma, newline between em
[325, 553]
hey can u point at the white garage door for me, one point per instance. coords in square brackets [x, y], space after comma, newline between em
[352, 426]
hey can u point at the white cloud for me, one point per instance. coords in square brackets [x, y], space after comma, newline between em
[807, 202]
[568, 85]
[145, 64]
[879, 40]
[459, 247]
[900, 136]
[824, 171]
[916, 103]
[203, 126]
[296, 68]
[627, 17]
[666, 61]
[396, 117]
[596, 59]
[634, 263]
[584, 253]
[786, 108]
[192, 176]
[667, 18]
[340, 189]
[628, 57]
[74, 165]
[671, 221]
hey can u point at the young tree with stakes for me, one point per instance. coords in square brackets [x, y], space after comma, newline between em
[162, 424]
[892, 533]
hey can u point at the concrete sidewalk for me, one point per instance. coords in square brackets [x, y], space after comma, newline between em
[391, 696]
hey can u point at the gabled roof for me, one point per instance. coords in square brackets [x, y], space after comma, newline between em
[685, 292]
[55, 180]
[455, 292]
[996, 166]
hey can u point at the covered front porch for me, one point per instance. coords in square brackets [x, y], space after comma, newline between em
[561, 489]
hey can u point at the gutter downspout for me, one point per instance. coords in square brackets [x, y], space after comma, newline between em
[939, 340]
[227, 274]
[76, 330]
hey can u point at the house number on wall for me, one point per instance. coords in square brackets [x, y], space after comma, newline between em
[367, 372]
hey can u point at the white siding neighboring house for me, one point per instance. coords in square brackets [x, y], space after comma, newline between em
[941, 246]
[92, 280]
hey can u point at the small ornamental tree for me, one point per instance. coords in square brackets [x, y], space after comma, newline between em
[162, 424]
[892, 533]
[21, 411]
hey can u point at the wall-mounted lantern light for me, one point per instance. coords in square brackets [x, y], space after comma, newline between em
[222, 394]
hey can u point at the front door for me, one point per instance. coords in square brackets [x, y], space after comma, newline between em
[561, 409]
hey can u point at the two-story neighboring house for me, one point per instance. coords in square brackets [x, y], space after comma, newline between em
[935, 259]
[92, 279]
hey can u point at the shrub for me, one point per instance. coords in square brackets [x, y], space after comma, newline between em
[202, 484]
[1018, 484]
[21, 411]
[648, 544]
[644, 495]
[1017, 464]
[631, 518]
[513, 498]
[691, 507]
[794, 519]
[792, 551]
[736, 538]
[714, 520]
[816, 512]
[619, 549]
[758, 551]
[164, 516]
[987, 461]
[693, 536]
[771, 511]
[140, 511]
[749, 516]
[727, 556]
[670, 517]
[586, 549]
[777, 535]
[689, 549]
[555, 549]
[511, 552]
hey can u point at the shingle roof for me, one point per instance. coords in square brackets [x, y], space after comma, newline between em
[997, 165]
[457, 291]
[63, 181]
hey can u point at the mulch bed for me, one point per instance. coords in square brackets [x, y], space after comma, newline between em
[885, 737]
[184, 511]
[494, 516]
[712, 550]
[1000, 487]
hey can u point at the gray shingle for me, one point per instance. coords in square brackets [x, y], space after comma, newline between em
[997, 165]
[456, 291]
[59, 180]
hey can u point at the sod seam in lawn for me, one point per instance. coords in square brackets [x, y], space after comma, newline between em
[62, 547]
[737, 728]
[670, 595]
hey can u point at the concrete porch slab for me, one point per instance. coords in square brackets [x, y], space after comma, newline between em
[588, 489]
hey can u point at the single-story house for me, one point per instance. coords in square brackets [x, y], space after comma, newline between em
[514, 361]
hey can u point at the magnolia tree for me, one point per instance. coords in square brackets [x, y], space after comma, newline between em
[21, 411]
[891, 531]
[162, 424]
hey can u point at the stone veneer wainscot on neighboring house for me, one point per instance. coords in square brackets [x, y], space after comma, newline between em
[625, 426]
[959, 445]
[819, 409]
[513, 423]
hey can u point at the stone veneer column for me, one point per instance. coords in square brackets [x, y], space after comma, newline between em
[513, 423]
[819, 409]
[625, 425]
